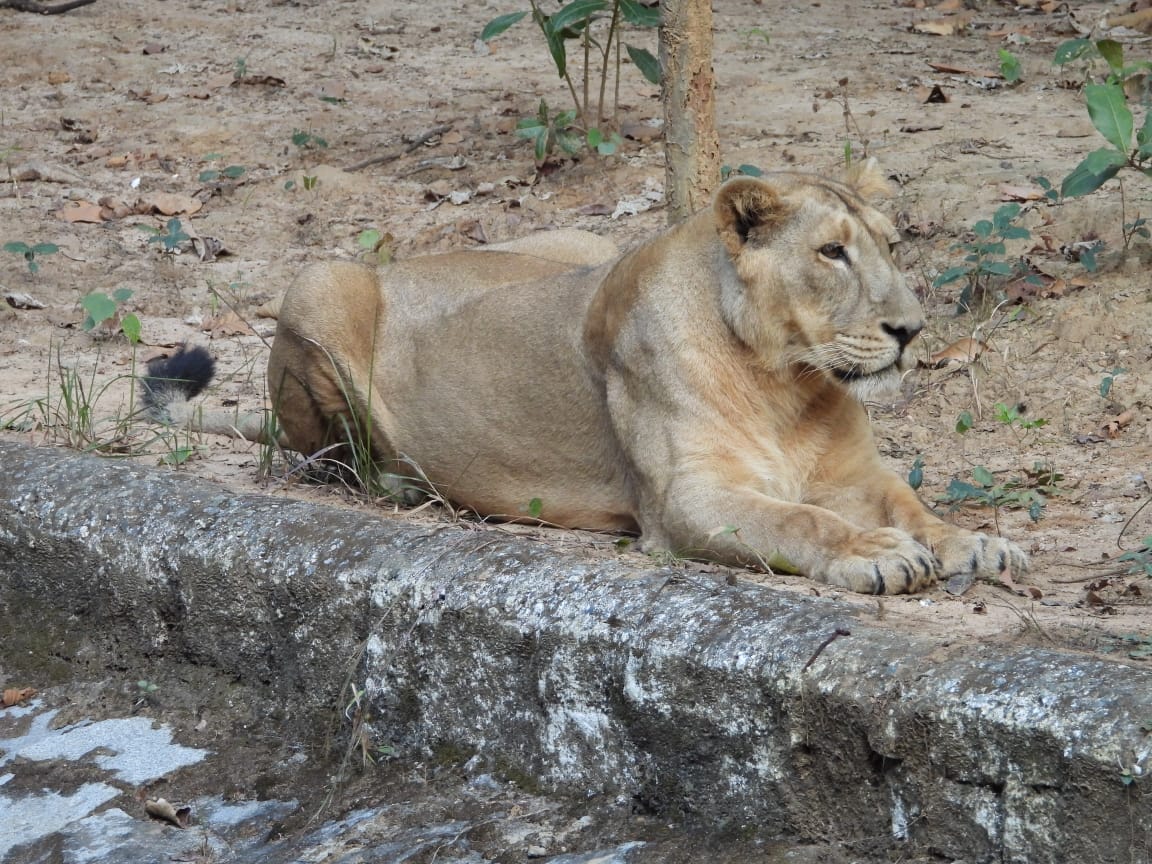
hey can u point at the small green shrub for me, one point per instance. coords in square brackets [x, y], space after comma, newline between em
[584, 125]
[31, 252]
[986, 262]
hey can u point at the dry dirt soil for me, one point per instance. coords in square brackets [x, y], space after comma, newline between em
[111, 115]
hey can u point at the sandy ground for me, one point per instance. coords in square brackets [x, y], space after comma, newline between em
[129, 103]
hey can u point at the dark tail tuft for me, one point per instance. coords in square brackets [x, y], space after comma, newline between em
[177, 378]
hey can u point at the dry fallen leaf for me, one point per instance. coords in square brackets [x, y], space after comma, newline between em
[1115, 426]
[942, 26]
[949, 69]
[17, 696]
[81, 211]
[933, 95]
[169, 204]
[959, 353]
[1021, 193]
[1141, 20]
[1031, 591]
[161, 809]
[226, 324]
[23, 301]
[58, 76]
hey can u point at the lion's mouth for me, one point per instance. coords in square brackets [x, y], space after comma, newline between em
[852, 374]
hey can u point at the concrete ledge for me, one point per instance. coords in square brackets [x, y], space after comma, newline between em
[693, 696]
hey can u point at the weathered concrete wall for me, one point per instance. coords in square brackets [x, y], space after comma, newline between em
[593, 677]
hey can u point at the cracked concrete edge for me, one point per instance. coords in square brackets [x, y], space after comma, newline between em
[693, 696]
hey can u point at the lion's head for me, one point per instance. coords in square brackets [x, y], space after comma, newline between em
[811, 281]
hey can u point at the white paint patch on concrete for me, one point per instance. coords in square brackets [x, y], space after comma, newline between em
[138, 752]
[27, 819]
[129, 749]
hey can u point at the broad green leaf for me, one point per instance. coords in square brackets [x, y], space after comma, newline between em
[207, 176]
[122, 294]
[575, 13]
[569, 142]
[983, 476]
[555, 47]
[541, 149]
[749, 170]
[964, 421]
[45, 249]
[1071, 50]
[1005, 214]
[130, 326]
[499, 24]
[958, 490]
[233, 171]
[528, 127]
[640, 15]
[595, 137]
[1113, 54]
[983, 228]
[997, 268]
[535, 508]
[368, 238]
[1097, 168]
[99, 306]
[950, 275]
[17, 248]
[648, 65]
[1015, 232]
[1144, 136]
[1009, 66]
[1110, 114]
[916, 475]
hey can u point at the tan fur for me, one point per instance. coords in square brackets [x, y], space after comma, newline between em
[703, 389]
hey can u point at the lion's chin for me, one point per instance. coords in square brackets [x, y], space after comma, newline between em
[881, 386]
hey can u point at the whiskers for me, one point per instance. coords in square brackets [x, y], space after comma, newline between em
[862, 364]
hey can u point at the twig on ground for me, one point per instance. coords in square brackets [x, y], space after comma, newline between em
[839, 631]
[42, 9]
[415, 143]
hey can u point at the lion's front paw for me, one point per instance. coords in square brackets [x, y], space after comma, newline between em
[883, 561]
[963, 553]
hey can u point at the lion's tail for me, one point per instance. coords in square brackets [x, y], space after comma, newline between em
[171, 383]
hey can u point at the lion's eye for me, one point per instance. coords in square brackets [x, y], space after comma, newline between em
[834, 252]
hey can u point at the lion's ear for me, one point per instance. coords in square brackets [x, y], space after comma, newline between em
[744, 203]
[867, 180]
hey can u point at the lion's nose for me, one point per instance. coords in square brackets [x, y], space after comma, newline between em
[903, 335]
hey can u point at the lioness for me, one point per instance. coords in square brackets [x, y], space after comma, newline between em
[703, 390]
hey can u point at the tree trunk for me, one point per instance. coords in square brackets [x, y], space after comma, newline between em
[691, 146]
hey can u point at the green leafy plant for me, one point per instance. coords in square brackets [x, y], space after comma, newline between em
[986, 262]
[31, 252]
[1107, 382]
[916, 474]
[310, 182]
[171, 236]
[1108, 110]
[232, 172]
[100, 308]
[578, 21]
[1009, 66]
[546, 132]
[746, 170]
[1139, 561]
[307, 140]
[377, 247]
[1030, 491]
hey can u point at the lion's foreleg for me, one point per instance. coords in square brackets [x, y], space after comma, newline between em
[746, 527]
